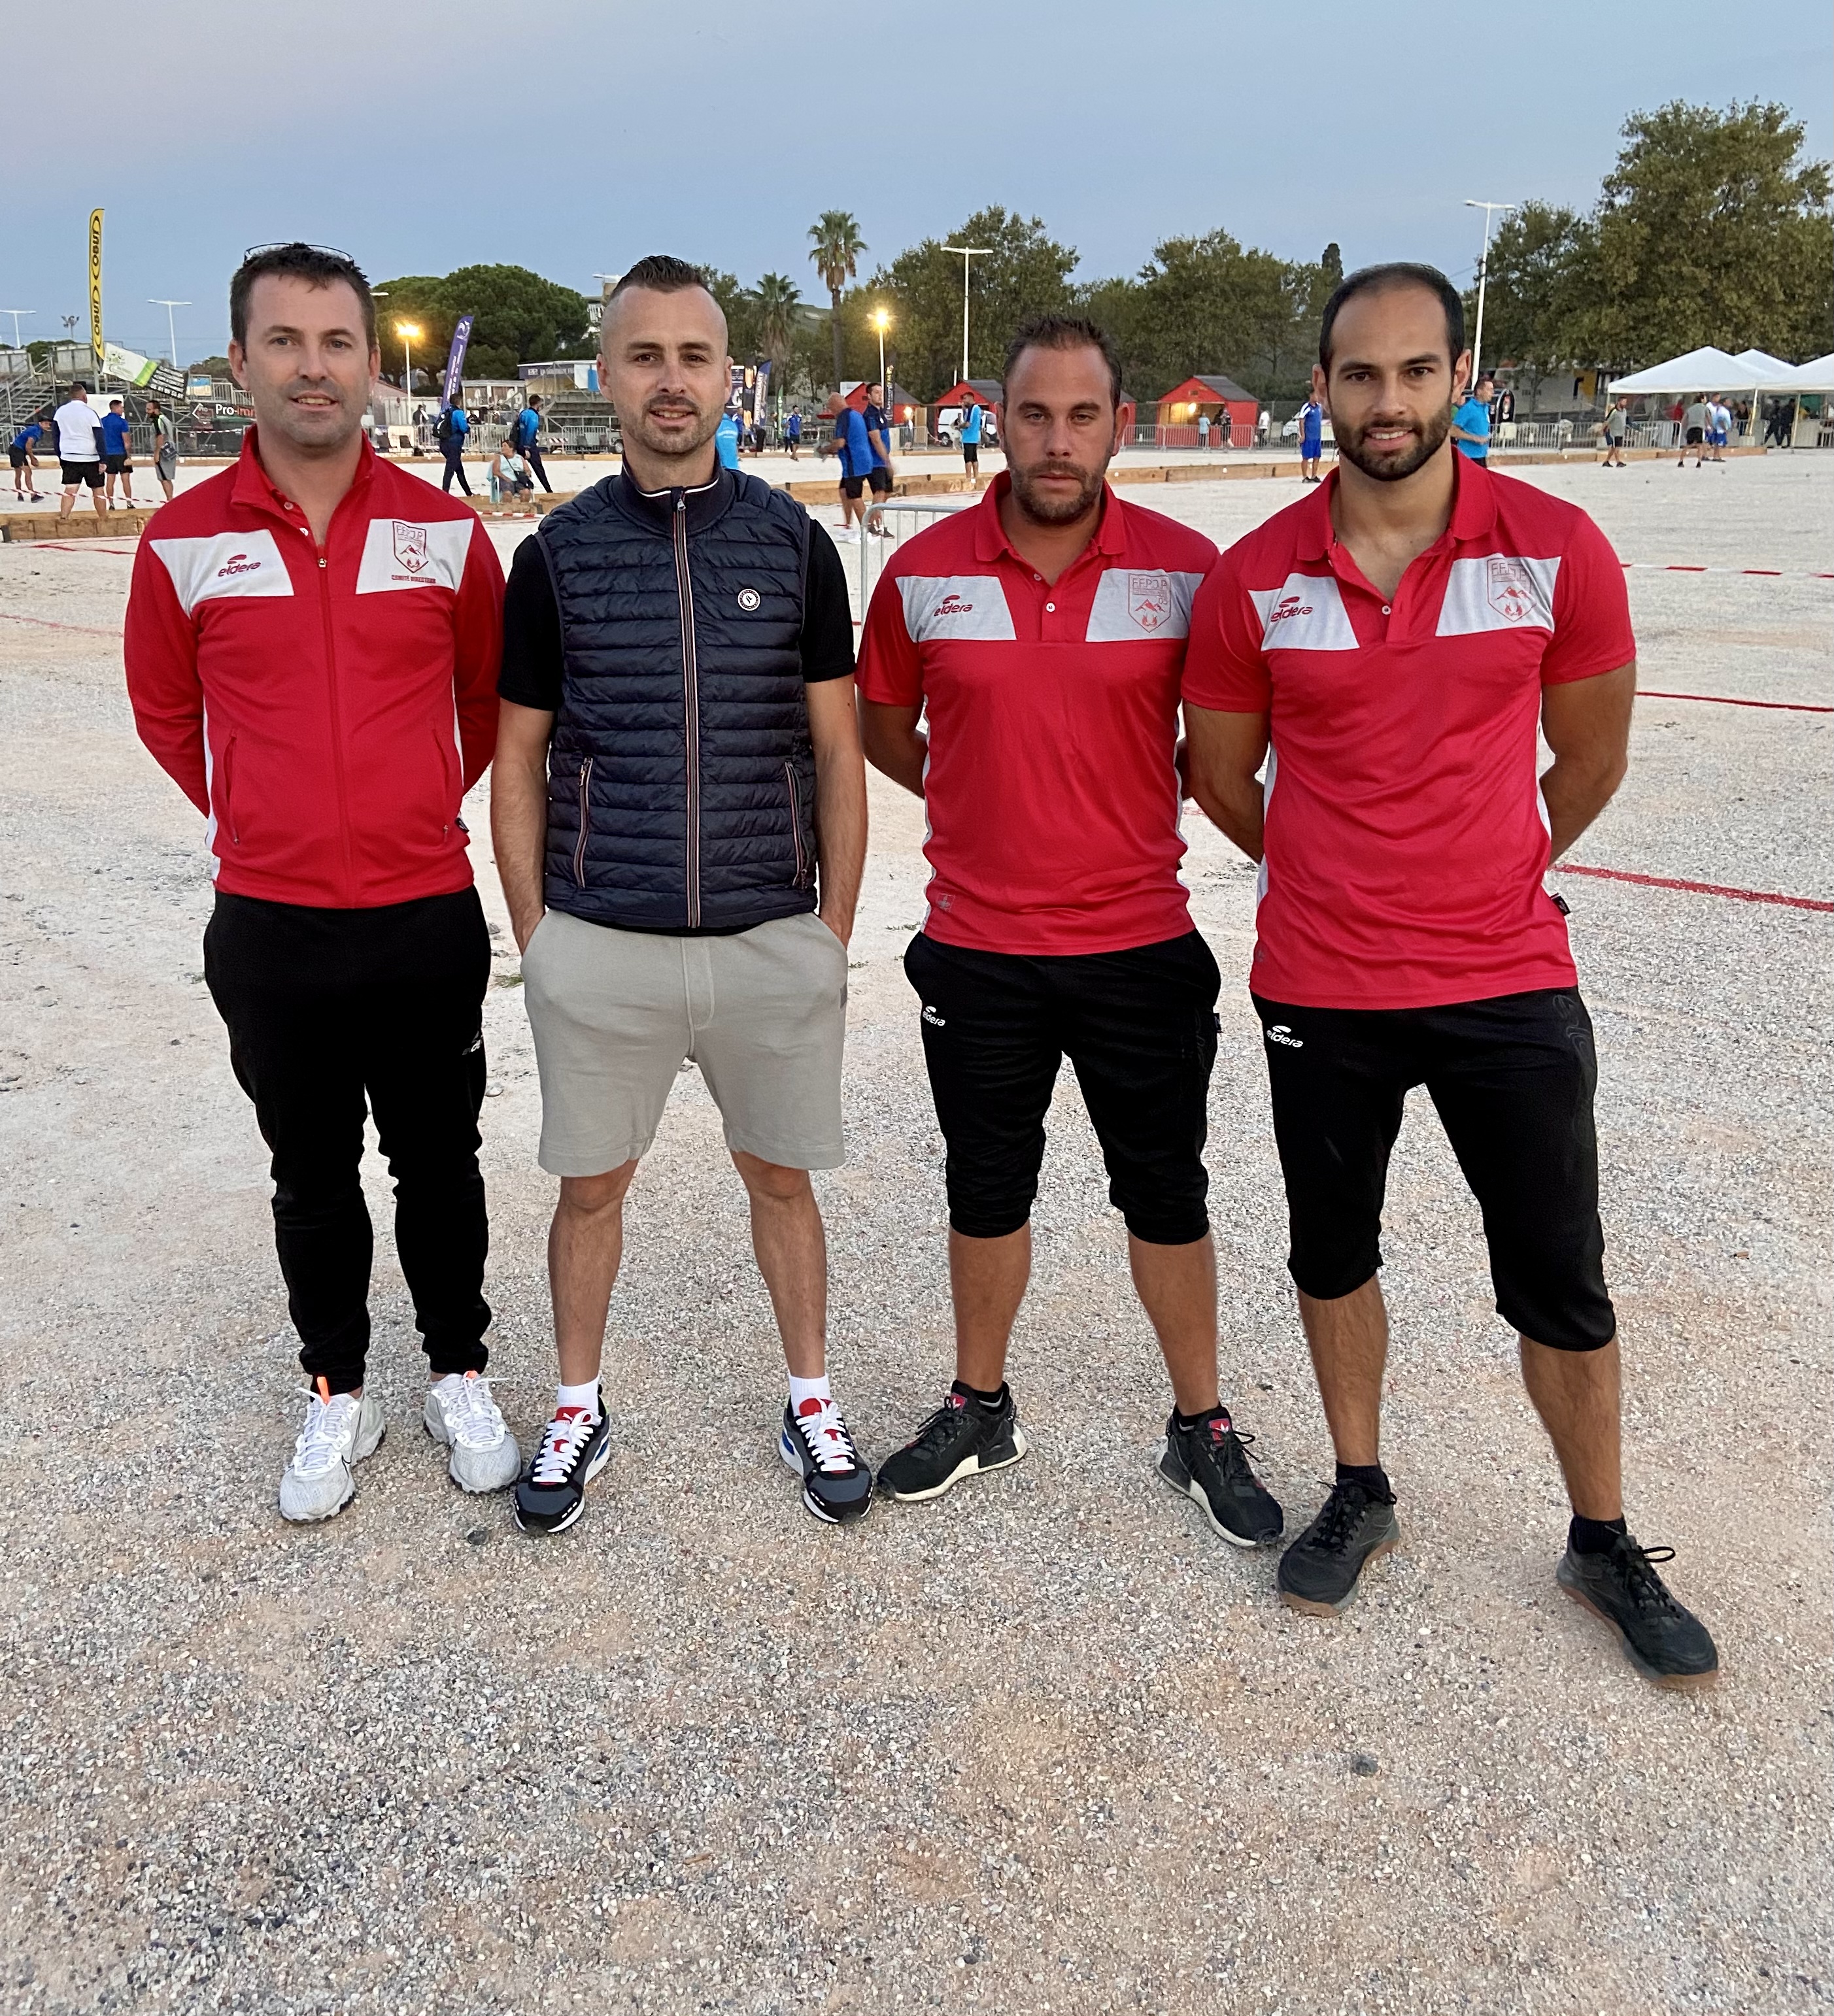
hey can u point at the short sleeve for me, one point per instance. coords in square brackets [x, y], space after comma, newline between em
[1592, 632]
[891, 667]
[531, 673]
[1225, 668]
[827, 615]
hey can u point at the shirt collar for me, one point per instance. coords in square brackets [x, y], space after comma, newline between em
[991, 542]
[1474, 510]
[255, 488]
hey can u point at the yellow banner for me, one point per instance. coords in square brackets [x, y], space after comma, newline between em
[96, 285]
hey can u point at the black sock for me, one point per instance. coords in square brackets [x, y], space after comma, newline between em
[1593, 1536]
[1217, 1413]
[1371, 1476]
[990, 1401]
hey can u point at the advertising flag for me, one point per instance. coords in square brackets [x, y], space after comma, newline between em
[96, 286]
[455, 363]
[138, 371]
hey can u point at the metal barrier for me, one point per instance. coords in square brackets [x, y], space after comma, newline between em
[915, 507]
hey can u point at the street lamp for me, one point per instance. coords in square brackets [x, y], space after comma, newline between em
[1483, 274]
[882, 322]
[153, 301]
[965, 253]
[410, 332]
[15, 313]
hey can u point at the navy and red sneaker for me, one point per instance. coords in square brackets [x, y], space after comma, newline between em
[966, 1437]
[837, 1485]
[574, 1448]
[1208, 1460]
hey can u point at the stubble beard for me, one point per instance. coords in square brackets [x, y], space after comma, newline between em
[675, 446]
[1045, 509]
[1396, 468]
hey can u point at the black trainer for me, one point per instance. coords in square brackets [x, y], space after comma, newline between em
[836, 1486]
[551, 1493]
[1666, 1644]
[1319, 1571]
[963, 1438]
[1209, 1461]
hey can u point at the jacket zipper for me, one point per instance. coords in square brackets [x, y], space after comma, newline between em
[230, 791]
[585, 779]
[691, 705]
[796, 826]
[336, 727]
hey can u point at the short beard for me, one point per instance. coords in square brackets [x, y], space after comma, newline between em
[1047, 510]
[1395, 468]
[672, 447]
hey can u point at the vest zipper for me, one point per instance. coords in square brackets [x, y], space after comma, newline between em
[802, 880]
[585, 779]
[691, 705]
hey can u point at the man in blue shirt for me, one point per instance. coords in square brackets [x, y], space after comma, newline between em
[453, 425]
[973, 418]
[117, 445]
[793, 433]
[524, 435]
[726, 439]
[23, 456]
[1471, 421]
[878, 434]
[850, 442]
[1311, 439]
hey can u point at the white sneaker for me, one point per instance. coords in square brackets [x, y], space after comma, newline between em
[461, 1414]
[340, 1431]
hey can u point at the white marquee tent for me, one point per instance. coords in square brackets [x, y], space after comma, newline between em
[1816, 375]
[1707, 370]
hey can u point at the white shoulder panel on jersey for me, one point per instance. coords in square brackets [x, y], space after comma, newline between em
[401, 553]
[1306, 612]
[226, 564]
[957, 607]
[1133, 604]
[1498, 592]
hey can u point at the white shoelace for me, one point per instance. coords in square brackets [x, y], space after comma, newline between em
[828, 1441]
[567, 1434]
[330, 1430]
[471, 1412]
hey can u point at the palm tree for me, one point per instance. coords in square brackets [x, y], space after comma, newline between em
[777, 296]
[836, 257]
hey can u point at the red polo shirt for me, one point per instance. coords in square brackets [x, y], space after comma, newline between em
[1051, 789]
[1406, 837]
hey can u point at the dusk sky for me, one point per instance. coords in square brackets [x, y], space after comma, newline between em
[574, 137]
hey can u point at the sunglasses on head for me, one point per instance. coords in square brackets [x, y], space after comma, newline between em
[287, 245]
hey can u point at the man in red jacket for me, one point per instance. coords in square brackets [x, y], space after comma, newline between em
[312, 645]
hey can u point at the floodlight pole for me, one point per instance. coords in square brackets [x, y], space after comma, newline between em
[15, 314]
[1483, 274]
[965, 253]
[153, 301]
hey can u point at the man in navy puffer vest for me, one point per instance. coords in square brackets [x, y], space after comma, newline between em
[680, 815]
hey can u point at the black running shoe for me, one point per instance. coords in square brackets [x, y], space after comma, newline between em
[1666, 1642]
[1318, 1572]
[575, 1449]
[836, 1486]
[962, 1438]
[1209, 1461]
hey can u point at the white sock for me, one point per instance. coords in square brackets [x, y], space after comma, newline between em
[585, 1397]
[809, 1389]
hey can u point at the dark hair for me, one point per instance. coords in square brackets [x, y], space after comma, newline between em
[662, 274]
[312, 263]
[534, 399]
[1385, 279]
[1062, 331]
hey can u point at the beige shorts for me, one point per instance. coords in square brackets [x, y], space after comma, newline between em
[763, 1014]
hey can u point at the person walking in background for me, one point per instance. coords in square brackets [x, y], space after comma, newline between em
[527, 440]
[1696, 418]
[1722, 428]
[312, 639]
[878, 435]
[1616, 426]
[725, 438]
[793, 433]
[118, 453]
[451, 431]
[1311, 439]
[1041, 637]
[165, 447]
[1388, 652]
[680, 812]
[1471, 422]
[79, 451]
[848, 440]
[23, 456]
[973, 422]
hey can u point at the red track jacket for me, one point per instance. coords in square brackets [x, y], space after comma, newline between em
[326, 711]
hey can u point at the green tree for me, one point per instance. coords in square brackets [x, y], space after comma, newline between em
[520, 319]
[837, 248]
[777, 296]
[1531, 296]
[1208, 305]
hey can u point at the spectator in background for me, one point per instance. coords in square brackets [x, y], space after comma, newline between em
[848, 440]
[453, 425]
[1616, 426]
[1696, 418]
[878, 434]
[165, 446]
[23, 456]
[793, 433]
[509, 473]
[725, 438]
[1203, 429]
[1722, 428]
[118, 452]
[973, 420]
[1471, 422]
[1311, 439]
[1263, 429]
[525, 437]
[79, 450]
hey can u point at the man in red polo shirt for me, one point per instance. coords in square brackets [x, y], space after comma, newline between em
[312, 643]
[1391, 646]
[1044, 632]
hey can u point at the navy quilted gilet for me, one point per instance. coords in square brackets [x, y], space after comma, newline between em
[681, 780]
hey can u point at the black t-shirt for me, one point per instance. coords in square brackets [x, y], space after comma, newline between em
[531, 675]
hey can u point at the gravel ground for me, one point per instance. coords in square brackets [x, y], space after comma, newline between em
[1046, 1745]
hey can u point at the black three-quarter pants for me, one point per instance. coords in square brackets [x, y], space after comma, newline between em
[333, 1014]
[1139, 1029]
[1513, 1080]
